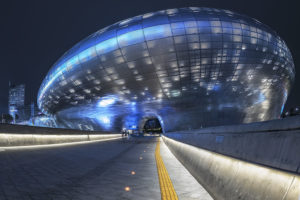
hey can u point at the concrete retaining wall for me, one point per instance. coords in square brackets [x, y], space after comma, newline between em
[274, 143]
[289, 123]
[23, 129]
[16, 135]
[228, 178]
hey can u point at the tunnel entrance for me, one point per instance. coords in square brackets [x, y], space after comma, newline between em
[152, 126]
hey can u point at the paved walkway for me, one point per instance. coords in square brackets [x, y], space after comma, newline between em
[116, 169]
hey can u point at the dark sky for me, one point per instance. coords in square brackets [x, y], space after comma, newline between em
[34, 34]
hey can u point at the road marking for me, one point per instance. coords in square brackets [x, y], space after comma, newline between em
[166, 187]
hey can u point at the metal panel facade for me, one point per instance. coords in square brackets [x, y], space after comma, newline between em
[189, 67]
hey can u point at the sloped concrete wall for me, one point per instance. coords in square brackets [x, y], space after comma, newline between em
[18, 135]
[274, 143]
[227, 178]
[250, 161]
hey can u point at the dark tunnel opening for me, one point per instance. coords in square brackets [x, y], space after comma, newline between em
[152, 126]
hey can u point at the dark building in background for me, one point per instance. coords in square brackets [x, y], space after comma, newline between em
[16, 101]
[28, 112]
[21, 112]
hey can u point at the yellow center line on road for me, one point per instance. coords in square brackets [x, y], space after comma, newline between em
[166, 187]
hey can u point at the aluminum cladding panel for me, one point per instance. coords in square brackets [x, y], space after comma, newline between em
[191, 67]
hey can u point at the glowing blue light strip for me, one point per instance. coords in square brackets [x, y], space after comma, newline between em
[129, 38]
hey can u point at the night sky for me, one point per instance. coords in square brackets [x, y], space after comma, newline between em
[34, 34]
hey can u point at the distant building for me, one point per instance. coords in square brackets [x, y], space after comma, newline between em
[16, 100]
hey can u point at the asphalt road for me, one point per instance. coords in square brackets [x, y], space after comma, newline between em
[116, 169]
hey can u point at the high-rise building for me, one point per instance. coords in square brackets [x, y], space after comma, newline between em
[16, 100]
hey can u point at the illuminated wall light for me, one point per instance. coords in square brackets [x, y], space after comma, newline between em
[167, 85]
[253, 40]
[205, 45]
[139, 78]
[264, 49]
[88, 91]
[195, 46]
[106, 78]
[120, 60]
[96, 82]
[120, 82]
[237, 38]
[151, 44]
[104, 119]
[148, 15]
[90, 77]
[97, 88]
[63, 83]
[106, 101]
[111, 70]
[80, 97]
[148, 61]
[176, 78]
[175, 93]
[77, 82]
[204, 61]
[74, 102]
[171, 11]
[127, 91]
[124, 22]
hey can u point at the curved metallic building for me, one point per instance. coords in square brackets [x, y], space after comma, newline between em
[188, 67]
